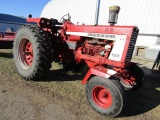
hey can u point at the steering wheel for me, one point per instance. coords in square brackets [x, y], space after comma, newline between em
[63, 19]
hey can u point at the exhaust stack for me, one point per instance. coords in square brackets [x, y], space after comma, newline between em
[97, 12]
[113, 14]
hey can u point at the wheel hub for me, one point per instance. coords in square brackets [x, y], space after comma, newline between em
[128, 80]
[25, 53]
[28, 53]
[102, 97]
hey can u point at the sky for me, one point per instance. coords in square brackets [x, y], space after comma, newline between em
[22, 7]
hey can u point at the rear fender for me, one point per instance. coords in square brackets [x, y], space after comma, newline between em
[33, 20]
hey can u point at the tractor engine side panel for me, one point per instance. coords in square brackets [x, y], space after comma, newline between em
[123, 38]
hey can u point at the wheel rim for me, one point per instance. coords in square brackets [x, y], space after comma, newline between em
[25, 53]
[102, 97]
[128, 80]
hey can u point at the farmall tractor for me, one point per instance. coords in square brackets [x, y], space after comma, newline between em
[107, 50]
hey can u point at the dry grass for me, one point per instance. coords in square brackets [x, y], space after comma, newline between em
[58, 80]
[144, 104]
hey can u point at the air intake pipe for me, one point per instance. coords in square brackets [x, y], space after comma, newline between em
[113, 14]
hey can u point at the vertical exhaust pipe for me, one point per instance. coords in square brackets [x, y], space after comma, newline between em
[97, 12]
[113, 14]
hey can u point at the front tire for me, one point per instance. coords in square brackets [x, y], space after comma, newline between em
[32, 52]
[107, 97]
[134, 79]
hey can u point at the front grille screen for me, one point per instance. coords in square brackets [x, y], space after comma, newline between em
[132, 44]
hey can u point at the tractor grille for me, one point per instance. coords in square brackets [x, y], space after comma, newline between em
[132, 44]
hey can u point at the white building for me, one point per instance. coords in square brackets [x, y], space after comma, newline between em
[143, 13]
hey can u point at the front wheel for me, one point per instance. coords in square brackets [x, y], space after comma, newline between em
[105, 96]
[134, 78]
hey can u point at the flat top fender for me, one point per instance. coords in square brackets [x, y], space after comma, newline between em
[98, 71]
[33, 20]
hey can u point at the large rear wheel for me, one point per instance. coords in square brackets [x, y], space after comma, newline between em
[32, 52]
[106, 96]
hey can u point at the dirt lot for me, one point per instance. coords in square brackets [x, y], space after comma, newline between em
[61, 96]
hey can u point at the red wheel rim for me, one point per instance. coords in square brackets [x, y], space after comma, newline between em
[102, 97]
[28, 53]
[25, 53]
[129, 80]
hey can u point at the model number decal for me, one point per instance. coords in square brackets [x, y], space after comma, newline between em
[115, 55]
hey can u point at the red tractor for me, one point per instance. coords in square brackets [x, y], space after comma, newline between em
[107, 50]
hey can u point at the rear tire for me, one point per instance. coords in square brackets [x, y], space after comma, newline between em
[107, 97]
[32, 52]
